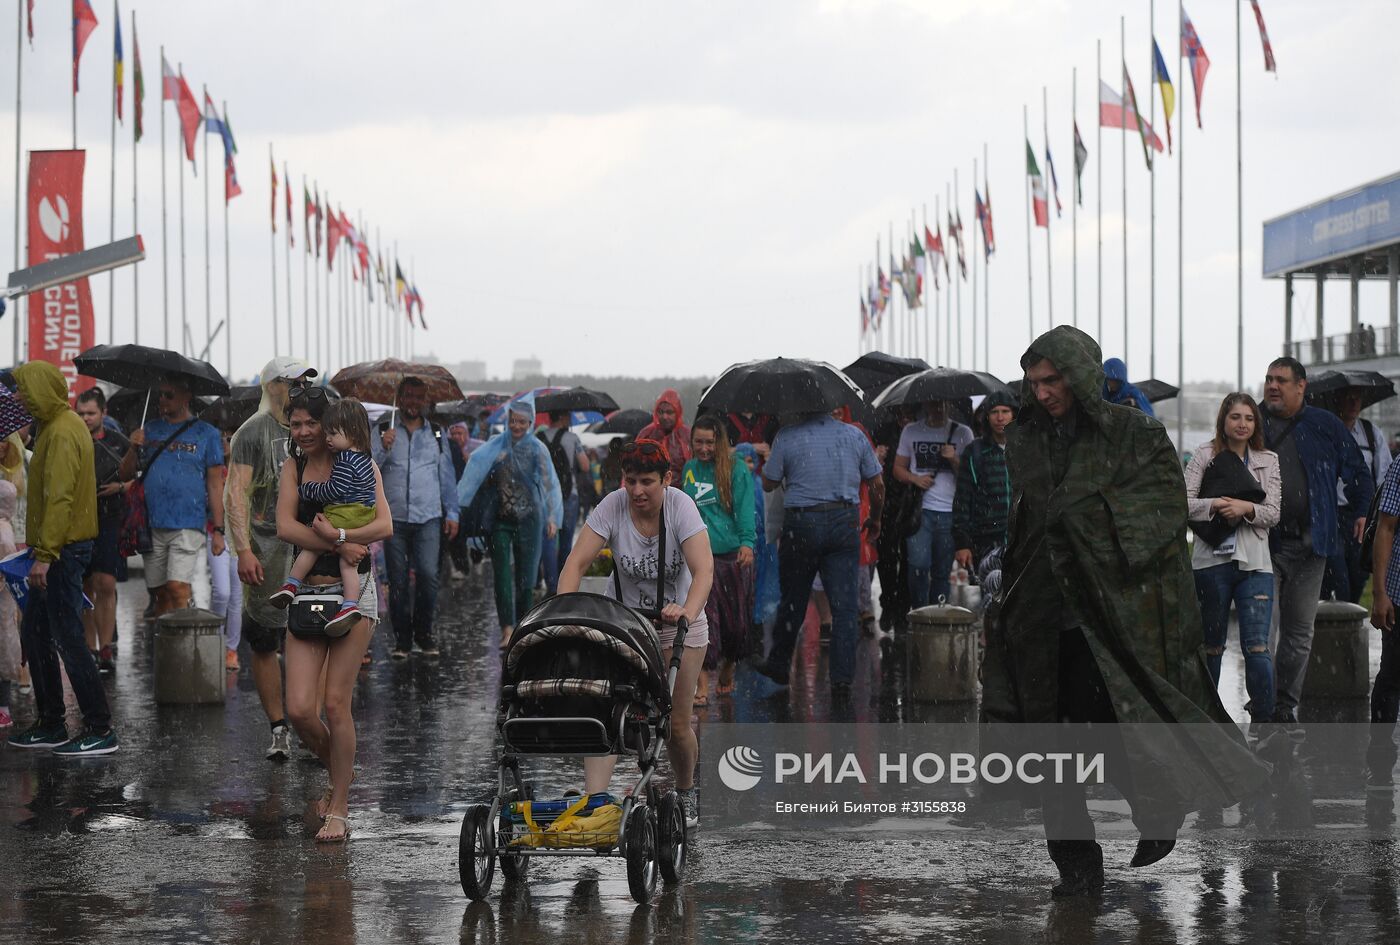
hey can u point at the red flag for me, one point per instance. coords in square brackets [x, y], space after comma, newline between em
[273, 165]
[287, 176]
[190, 118]
[231, 188]
[85, 21]
[61, 323]
[333, 235]
[30, 23]
[1269, 64]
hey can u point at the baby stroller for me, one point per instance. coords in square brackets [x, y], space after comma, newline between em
[582, 676]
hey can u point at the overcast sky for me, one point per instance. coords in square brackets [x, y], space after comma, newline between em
[665, 188]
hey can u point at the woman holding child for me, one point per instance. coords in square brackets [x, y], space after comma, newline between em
[324, 476]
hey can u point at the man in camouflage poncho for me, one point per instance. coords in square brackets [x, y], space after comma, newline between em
[1099, 621]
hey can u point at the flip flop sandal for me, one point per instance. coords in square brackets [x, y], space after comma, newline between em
[340, 839]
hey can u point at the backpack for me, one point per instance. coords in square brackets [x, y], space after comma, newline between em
[563, 464]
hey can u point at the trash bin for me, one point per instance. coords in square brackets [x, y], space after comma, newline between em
[1340, 664]
[942, 654]
[189, 657]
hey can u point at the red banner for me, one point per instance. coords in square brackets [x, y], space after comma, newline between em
[60, 322]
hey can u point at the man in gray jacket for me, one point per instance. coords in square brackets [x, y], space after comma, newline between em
[421, 487]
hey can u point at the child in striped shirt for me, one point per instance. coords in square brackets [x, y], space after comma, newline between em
[347, 500]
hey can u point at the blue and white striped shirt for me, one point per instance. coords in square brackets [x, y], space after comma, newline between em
[351, 482]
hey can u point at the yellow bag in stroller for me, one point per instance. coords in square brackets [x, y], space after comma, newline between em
[597, 828]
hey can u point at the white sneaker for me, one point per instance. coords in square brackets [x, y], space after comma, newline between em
[690, 803]
[281, 744]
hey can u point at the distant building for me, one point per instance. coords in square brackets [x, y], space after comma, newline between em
[526, 367]
[470, 372]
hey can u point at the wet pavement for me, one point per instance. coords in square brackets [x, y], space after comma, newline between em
[189, 835]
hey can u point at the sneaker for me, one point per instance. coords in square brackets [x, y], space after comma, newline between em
[1379, 781]
[5, 720]
[428, 649]
[284, 595]
[106, 665]
[40, 735]
[231, 660]
[690, 803]
[344, 618]
[1287, 719]
[281, 744]
[88, 743]
[398, 654]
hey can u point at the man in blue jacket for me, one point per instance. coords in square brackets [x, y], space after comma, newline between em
[1117, 389]
[1314, 451]
[421, 486]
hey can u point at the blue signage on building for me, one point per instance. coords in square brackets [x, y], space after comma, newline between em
[1349, 223]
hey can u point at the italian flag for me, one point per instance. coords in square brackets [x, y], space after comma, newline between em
[1038, 202]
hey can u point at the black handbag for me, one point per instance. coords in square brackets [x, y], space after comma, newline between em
[311, 610]
[514, 504]
[1225, 477]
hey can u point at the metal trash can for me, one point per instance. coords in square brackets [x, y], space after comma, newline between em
[1340, 664]
[942, 654]
[189, 657]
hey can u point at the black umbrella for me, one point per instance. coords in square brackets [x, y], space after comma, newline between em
[1155, 390]
[1325, 387]
[780, 386]
[876, 370]
[143, 367]
[576, 398]
[231, 412]
[625, 422]
[132, 406]
[939, 383]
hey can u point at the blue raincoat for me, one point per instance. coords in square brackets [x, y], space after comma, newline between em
[530, 461]
[1128, 394]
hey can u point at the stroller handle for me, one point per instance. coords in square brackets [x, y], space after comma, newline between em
[682, 625]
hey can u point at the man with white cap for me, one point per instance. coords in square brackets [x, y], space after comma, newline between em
[250, 509]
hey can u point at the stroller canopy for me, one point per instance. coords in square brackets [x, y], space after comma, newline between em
[624, 628]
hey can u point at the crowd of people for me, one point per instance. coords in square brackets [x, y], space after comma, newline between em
[1070, 493]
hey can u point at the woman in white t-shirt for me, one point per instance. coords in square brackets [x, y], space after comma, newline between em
[629, 522]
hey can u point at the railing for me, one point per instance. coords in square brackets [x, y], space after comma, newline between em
[1365, 343]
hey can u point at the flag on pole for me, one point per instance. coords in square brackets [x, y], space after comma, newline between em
[85, 21]
[231, 188]
[273, 165]
[190, 118]
[955, 230]
[1269, 64]
[320, 219]
[983, 210]
[934, 246]
[1038, 201]
[308, 215]
[1195, 54]
[914, 274]
[1114, 114]
[287, 176]
[1164, 82]
[138, 90]
[418, 301]
[885, 287]
[1054, 182]
[1081, 160]
[30, 24]
[400, 283]
[1130, 106]
[118, 64]
[989, 233]
[864, 318]
[169, 82]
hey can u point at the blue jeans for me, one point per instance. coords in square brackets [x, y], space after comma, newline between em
[1253, 596]
[412, 616]
[554, 553]
[929, 557]
[825, 541]
[52, 630]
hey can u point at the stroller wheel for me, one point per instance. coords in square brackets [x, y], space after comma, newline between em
[513, 866]
[670, 837]
[641, 853]
[476, 855]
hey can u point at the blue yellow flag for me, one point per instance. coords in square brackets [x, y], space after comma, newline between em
[1164, 82]
[117, 64]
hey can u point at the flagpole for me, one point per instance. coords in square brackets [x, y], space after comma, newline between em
[1074, 203]
[1123, 86]
[383, 292]
[19, 82]
[1152, 195]
[1239, 211]
[272, 245]
[164, 228]
[228, 282]
[287, 256]
[910, 312]
[73, 86]
[208, 304]
[305, 275]
[1049, 172]
[112, 208]
[928, 289]
[986, 270]
[184, 314]
[1180, 242]
[894, 302]
[1030, 225]
[1098, 225]
[878, 290]
[135, 206]
[974, 274]
[316, 280]
[938, 307]
[413, 281]
[960, 253]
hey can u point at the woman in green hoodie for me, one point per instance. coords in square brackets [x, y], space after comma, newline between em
[723, 491]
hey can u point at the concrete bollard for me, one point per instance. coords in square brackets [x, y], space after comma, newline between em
[942, 654]
[189, 657]
[1340, 664]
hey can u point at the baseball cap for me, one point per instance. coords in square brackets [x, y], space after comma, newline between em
[287, 369]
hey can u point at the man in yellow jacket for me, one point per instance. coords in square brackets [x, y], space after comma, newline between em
[60, 527]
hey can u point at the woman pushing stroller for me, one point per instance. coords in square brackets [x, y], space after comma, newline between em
[630, 522]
